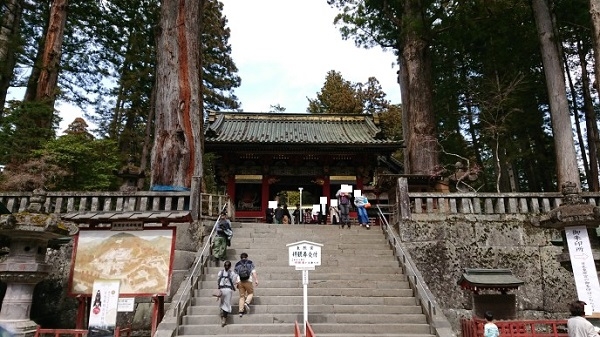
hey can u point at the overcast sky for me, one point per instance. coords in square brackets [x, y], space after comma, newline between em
[284, 49]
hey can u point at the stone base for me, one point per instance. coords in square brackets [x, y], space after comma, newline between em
[20, 328]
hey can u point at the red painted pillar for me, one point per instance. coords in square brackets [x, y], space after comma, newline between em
[264, 203]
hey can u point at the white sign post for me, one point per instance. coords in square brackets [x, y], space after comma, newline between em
[305, 255]
[584, 269]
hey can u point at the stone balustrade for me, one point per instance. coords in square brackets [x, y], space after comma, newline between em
[490, 203]
[414, 202]
[69, 202]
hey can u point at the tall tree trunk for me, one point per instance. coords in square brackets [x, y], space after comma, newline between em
[177, 151]
[566, 159]
[590, 120]
[45, 79]
[579, 132]
[403, 83]
[595, 14]
[9, 34]
[422, 142]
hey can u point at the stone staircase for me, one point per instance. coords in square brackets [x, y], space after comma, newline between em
[359, 290]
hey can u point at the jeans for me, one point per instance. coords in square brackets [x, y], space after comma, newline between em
[363, 218]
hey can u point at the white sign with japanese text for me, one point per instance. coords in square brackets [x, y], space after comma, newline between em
[304, 254]
[584, 269]
[103, 311]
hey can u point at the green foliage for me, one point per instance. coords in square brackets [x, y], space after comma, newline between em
[90, 162]
[73, 162]
[337, 96]
[21, 132]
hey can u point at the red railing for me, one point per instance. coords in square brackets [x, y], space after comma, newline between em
[39, 332]
[533, 328]
[308, 330]
[297, 332]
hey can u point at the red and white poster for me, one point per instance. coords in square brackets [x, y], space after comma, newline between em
[103, 311]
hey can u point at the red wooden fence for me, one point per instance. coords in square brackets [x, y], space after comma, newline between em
[532, 328]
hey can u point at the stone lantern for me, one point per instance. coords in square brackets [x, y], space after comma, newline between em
[27, 234]
[573, 211]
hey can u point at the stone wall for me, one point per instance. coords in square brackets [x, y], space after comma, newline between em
[53, 308]
[443, 246]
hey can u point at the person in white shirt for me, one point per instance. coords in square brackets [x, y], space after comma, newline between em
[578, 325]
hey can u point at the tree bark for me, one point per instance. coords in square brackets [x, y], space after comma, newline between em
[422, 142]
[595, 15]
[566, 159]
[590, 121]
[177, 151]
[9, 32]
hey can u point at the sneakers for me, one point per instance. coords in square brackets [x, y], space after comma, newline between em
[223, 321]
[368, 227]
[246, 308]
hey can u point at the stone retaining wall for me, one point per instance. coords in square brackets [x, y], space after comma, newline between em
[442, 247]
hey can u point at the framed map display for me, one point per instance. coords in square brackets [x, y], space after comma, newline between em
[142, 260]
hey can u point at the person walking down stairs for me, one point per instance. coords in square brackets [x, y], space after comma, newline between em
[246, 273]
[223, 238]
[226, 288]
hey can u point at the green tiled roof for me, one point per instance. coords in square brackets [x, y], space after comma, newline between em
[489, 279]
[284, 128]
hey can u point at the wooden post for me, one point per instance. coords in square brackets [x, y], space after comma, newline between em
[82, 310]
[195, 191]
[402, 199]
[158, 311]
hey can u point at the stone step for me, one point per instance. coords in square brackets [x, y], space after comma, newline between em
[349, 299]
[313, 318]
[342, 290]
[287, 329]
[314, 277]
[330, 272]
[276, 284]
[212, 308]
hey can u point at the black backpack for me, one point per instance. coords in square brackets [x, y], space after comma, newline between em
[222, 276]
[243, 270]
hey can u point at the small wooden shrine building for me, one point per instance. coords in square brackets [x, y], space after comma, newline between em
[259, 155]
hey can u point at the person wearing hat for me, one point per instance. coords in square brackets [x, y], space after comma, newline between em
[223, 236]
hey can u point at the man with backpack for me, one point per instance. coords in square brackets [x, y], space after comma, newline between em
[246, 273]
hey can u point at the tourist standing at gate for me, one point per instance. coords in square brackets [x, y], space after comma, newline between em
[226, 286]
[286, 214]
[279, 214]
[361, 203]
[246, 273]
[296, 214]
[344, 206]
[578, 325]
[334, 214]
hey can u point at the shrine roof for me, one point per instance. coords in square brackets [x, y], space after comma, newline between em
[475, 279]
[164, 217]
[302, 129]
